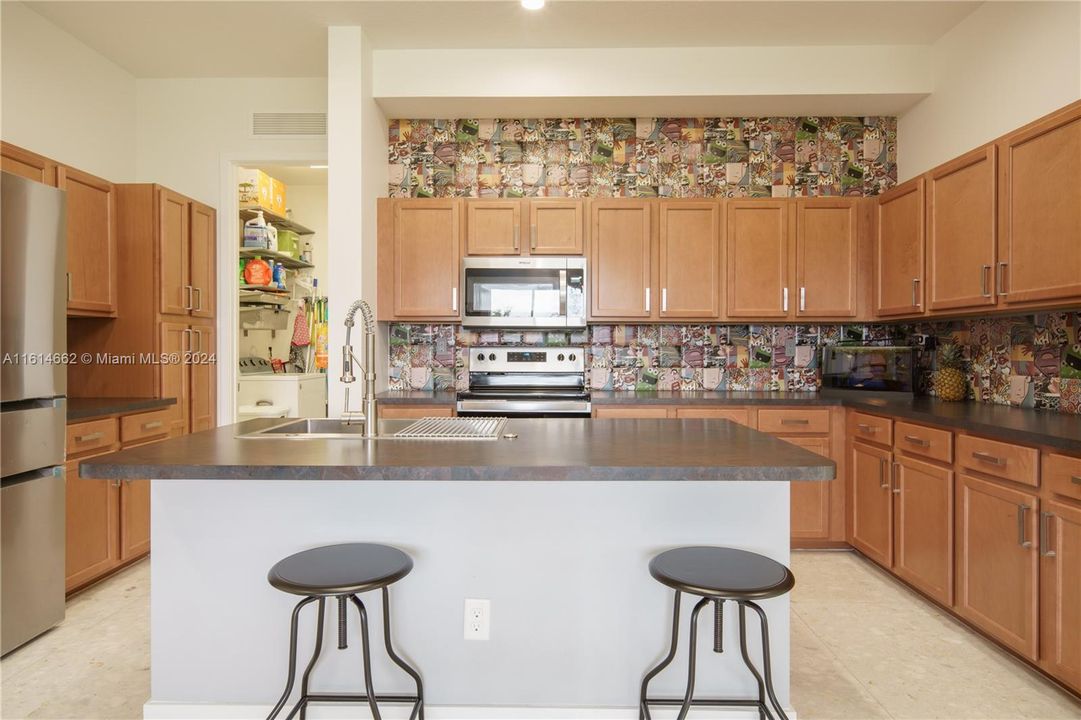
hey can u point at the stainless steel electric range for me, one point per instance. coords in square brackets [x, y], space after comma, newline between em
[526, 382]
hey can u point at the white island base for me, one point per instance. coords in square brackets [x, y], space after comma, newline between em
[576, 619]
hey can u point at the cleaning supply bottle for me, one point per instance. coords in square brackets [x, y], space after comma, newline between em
[256, 232]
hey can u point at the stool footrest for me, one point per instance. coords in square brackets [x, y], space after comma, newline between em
[357, 697]
[706, 702]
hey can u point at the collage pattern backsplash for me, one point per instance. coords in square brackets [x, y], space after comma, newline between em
[1031, 361]
[643, 157]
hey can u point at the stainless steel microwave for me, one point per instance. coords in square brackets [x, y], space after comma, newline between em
[524, 292]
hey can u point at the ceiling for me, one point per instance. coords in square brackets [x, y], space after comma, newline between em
[288, 39]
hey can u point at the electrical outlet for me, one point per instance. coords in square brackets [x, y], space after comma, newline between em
[477, 617]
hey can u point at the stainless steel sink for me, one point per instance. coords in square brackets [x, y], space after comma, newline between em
[314, 428]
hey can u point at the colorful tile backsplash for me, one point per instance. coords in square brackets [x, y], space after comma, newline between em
[1031, 361]
[643, 157]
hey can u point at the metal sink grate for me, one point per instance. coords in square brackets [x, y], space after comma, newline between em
[453, 428]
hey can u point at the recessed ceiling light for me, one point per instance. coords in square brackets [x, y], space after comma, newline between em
[318, 167]
[532, 4]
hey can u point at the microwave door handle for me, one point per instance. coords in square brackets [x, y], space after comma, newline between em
[563, 294]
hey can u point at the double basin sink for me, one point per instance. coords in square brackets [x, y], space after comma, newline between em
[313, 428]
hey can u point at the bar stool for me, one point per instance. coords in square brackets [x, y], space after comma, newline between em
[717, 574]
[343, 572]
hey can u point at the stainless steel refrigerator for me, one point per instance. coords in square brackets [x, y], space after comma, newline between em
[33, 384]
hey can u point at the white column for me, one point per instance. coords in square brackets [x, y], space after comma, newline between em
[357, 175]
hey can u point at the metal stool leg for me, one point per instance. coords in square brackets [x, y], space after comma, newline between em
[311, 663]
[292, 657]
[643, 707]
[765, 658]
[763, 711]
[367, 657]
[418, 708]
[691, 658]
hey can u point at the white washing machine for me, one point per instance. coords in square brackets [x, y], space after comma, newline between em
[263, 393]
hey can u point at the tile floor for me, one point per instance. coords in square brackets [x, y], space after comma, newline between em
[863, 647]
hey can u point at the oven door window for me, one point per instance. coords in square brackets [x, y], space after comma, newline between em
[515, 293]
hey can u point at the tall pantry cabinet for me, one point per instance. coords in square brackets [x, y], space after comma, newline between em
[167, 306]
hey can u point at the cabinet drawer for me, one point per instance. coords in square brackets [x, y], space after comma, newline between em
[736, 415]
[922, 440]
[408, 412]
[794, 422]
[1004, 460]
[1062, 474]
[144, 426]
[638, 412]
[871, 428]
[91, 436]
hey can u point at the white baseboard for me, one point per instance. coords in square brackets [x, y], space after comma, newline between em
[199, 711]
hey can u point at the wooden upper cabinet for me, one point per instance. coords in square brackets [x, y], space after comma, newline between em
[961, 231]
[203, 263]
[923, 521]
[92, 242]
[871, 506]
[15, 160]
[1060, 592]
[556, 227]
[827, 257]
[620, 259]
[898, 261]
[997, 563]
[493, 227]
[173, 253]
[1039, 250]
[426, 253]
[758, 239]
[689, 259]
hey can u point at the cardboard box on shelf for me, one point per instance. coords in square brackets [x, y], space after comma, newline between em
[277, 196]
[256, 189]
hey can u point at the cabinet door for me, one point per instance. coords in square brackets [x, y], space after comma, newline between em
[92, 242]
[757, 240]
[426, 258]
[173, 253]
[811, 501]
[134, 515]
[202, 394]
[176, 342]
[1039, 223]
[899, 250]
[923, 521]
[92, 522]
[203, 260]
[827, 257]
[962, 227]
[493, 227]
[689, 261]
[1060, 592]
[15, 160]
[556, 227]
[872, 506]
[997, 563]
[620, 267]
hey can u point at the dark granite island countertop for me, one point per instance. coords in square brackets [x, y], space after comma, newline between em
[545, 449]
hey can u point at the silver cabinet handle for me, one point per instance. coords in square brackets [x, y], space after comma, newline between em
[89, 437]
[988, 458]
[516, 247]
[802, 299]
[917, 441]
[1022, 511]
[985, 276]
[882, 482]
[1075, 479]
[199, 299]
[189, 305]
[869, 429]
[1045, 534]
[1002, 279]
[664, 299]
[152, 425]
[784, 299]
[198, 335]
[69, 285]
[454, 299]
[795, 421]
[116, 483]
[647, 299]
[895, 481]
[187, 338]
[532, 237]
[915, 292]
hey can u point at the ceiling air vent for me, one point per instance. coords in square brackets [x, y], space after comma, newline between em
[279, 124]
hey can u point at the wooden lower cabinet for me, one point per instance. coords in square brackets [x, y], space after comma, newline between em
[134, 519]
[811, 501]
[923, 527]
[92, 545]
[871, 500]
[1060, 591]
[409, 412]
[997, 561]
[736, 415]
[638, 412]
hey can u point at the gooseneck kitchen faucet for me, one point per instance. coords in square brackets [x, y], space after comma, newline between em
[368, 412]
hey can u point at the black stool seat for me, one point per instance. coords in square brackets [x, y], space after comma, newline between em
[340, 569]
[720, 572]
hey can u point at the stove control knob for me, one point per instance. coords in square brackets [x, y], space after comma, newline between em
[480, 356]
[560, 357]
[571, 357]
[491, 356]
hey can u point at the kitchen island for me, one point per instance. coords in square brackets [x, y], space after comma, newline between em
[555, 527]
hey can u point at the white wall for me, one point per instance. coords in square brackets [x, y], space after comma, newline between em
[1004, 65]
[64, 100]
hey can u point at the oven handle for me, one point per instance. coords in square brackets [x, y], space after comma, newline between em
[513, 407]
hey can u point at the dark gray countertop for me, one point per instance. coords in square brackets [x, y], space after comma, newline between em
[1035, 427]
[545, 450]
[90, 408]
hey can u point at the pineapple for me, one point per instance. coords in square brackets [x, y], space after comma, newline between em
[949, 379]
